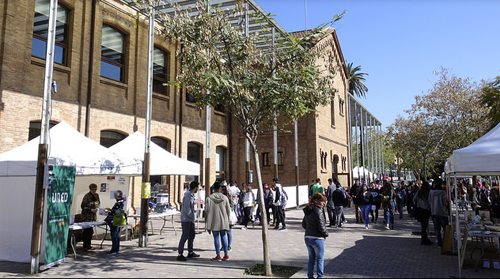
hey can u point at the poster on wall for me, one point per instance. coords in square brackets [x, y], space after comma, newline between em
[59, 200]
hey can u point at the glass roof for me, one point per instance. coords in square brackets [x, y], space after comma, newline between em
[264, 31]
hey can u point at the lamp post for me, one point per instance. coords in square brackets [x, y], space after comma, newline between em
[146, 184]
[41, 172]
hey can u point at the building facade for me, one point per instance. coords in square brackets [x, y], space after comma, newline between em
[101, 74]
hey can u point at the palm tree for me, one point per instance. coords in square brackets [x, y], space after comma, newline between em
[356, 79]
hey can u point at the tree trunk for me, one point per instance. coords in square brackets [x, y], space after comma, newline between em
[265, 236]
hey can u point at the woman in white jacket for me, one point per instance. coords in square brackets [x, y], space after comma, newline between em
[217, 212]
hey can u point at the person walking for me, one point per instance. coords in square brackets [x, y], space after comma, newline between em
[330, 206]
[338, 200]
[423, 209]
[225, 192]
[317, 188]
[388, 195]
[115, 230]
[355, 192]
[315, 235]
[248, 201]
[217, 220]
[400, 198]
[439, 214]
[279, 203]
[188, 217]
[409, 198]
[365, 203]
[90, 206]
[234, 191]
[268, 198]
[376, 201]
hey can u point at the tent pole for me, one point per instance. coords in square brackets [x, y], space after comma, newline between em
[457, 229]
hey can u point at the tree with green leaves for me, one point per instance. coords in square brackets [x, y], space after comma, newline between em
[223, 67]
[356, 81]
[449, 117]
[491, 99]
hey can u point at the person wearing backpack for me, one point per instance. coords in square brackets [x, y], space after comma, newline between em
[279, 203]
[338, 200]
[115, 218]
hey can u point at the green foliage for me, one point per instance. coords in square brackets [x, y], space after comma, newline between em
[491, 99]
[221, 66]
[449, 117]
[356, 81]
[277, 271]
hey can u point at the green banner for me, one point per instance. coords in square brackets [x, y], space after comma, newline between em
[59, 200]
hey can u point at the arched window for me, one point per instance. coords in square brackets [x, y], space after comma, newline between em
[112, 54]
[194, 152]
[36, 128]
[160, 72]
[110, 138]
[40, 29]
[220, 162]
[163, 143]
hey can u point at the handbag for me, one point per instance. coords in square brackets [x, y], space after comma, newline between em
[232, 218]
[119, 219]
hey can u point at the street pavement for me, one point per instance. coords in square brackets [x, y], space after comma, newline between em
[351, 252]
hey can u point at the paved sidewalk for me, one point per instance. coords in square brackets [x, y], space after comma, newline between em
[350, 252]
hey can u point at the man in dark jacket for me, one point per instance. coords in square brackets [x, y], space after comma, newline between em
[330, 206]
[339, 200]
[356, 195]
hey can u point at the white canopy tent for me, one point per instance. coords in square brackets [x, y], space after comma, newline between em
[162, 162]
[67, 147]
[482, 157]
[363, 172]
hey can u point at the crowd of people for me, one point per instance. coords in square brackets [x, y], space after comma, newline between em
[422, 200]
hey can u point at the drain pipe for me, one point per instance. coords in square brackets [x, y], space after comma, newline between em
[91, 68]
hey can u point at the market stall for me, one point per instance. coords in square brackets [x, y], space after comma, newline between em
[482, 157]
[66, 147]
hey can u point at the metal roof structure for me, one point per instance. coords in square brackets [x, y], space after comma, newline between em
[264, 30]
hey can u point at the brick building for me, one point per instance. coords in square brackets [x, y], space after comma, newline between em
[101, 74]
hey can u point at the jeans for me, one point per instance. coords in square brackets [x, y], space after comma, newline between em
[188, 235]
[331, 215]
[439, 222]
[374, 214]
[115, 238]
[316, 249]
[230, 236]
[338, 212]
[365, 213]
[222, 236]
[280, 218]
[400, 209]
[389, 215]
[357, 213]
